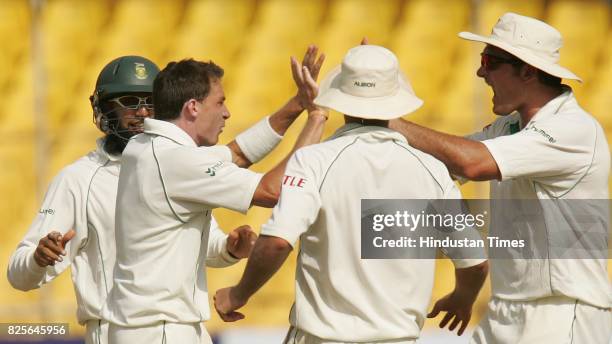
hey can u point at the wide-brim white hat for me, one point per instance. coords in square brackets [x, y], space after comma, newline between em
[528, 39]
[368, 84]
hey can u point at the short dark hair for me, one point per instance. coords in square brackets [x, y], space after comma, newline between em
[548, 80]
[179, 82]
[543, 77]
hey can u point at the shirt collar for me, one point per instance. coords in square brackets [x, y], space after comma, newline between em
[103, 153]
[555, 105]
[353, 128]
[168, 130]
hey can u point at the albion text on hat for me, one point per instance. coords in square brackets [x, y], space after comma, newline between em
[368, 84]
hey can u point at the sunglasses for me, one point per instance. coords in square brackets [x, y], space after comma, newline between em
[491, 62]
[134, 102]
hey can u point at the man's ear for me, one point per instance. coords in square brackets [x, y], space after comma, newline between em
[529, 72]
[190, 109]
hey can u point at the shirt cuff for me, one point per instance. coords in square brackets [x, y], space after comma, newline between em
[271, 230]
[31, 264]
[249, 192]
[497, 156]
[226, 256]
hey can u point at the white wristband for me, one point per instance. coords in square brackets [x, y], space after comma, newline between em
[259, 140]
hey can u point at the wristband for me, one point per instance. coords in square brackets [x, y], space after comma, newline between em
[259, 140]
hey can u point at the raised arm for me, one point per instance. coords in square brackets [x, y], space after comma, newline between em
[463, 157]
[45, 243]
[268, 190]
[257, 141]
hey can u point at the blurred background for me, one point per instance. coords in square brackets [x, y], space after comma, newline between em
[53, 51]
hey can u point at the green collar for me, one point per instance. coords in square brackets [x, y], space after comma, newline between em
[515, 127]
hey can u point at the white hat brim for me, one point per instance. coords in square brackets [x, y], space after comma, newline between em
[403, 102]
[525, 55]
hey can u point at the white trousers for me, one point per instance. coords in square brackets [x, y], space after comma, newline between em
[162, 333]
[96, 332]
[554, 320]
[295, 336]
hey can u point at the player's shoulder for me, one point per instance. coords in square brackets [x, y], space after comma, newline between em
[183, 150]
[571, 124]
[79, 172]
[427, 161]
[324, 152]
[174, 155]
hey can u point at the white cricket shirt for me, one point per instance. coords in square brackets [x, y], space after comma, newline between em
[80, 197]
[339, 296]
[168, 188]
[562, 153]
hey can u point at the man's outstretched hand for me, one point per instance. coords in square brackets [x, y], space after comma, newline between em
[52, 247]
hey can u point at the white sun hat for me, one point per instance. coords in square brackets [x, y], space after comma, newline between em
[530, 40]
[368, 84]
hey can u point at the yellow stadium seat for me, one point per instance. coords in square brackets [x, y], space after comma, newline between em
[290, 23]
[14, 20]
[425, 42]
[211, 30]
[350, 20]
[15, 32]
[193, 45]
[444, 17]
[581, 43]
[17, 177]
[79, 112]
[19, 105]
[69, 25]
[599, 104]
[140, 27]
[364, 13]
[593, 16]
[457, 108]
[206, 15]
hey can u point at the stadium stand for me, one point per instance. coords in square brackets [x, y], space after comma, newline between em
[252, 40]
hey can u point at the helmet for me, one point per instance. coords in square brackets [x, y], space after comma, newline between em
[126, 74]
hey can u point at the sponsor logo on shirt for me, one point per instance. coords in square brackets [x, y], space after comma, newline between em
[542, 132]
[212, 171]
[46, 211]
[294, 181]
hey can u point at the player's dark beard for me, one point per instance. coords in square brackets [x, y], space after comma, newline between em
[115, 144]
[118, 135]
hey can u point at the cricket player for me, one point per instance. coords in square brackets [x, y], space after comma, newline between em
[544, 147]
[339, 297]
[76, 224]
[172, 177]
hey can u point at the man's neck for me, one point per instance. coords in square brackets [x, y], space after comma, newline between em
[537, 101]
[366, 122]
[188, 127]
